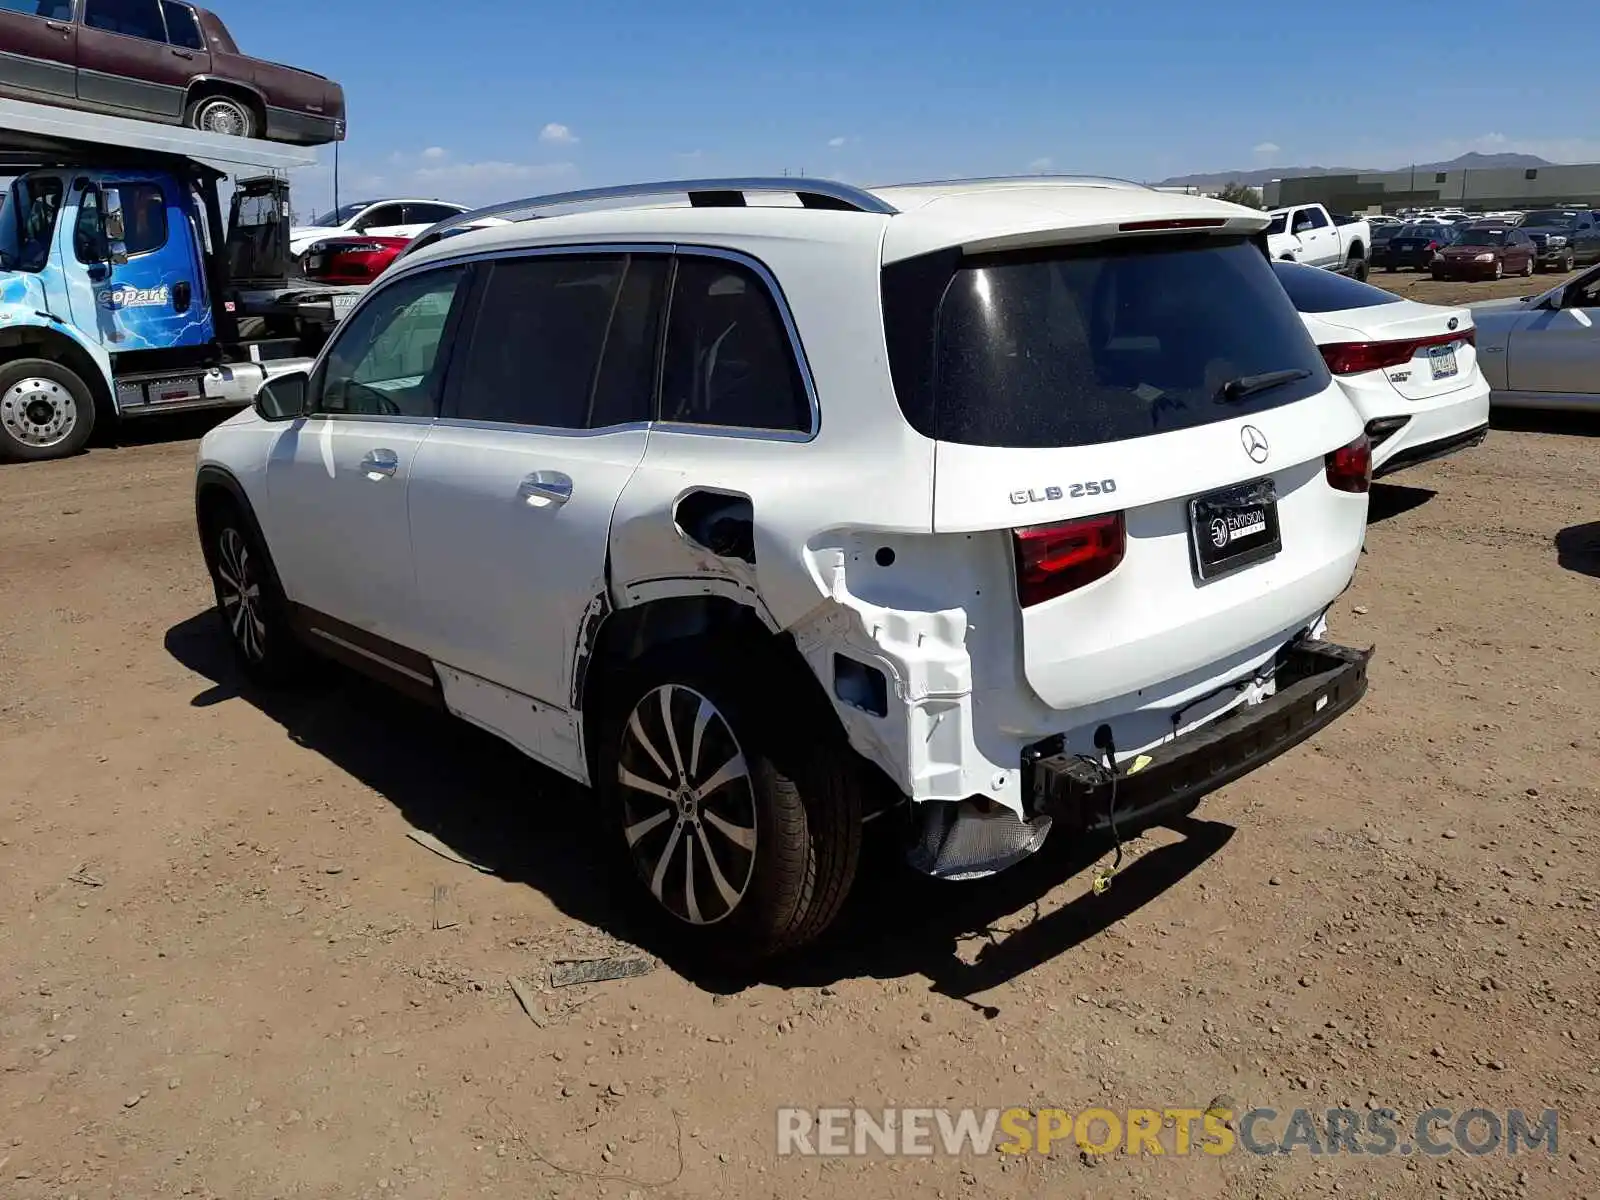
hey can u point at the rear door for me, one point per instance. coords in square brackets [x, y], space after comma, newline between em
[126, 63]
[38, 49]
[381, 220]
[1150, 420]
[545, 421]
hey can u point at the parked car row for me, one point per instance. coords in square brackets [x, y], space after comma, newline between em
[542, 525]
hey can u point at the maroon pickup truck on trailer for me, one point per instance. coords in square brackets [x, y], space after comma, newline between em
[159, 60]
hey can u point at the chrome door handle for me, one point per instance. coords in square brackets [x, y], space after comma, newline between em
[59, 28]
[553, 487]
[182, 53]
[382, 463]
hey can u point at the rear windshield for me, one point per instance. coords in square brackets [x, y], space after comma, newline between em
[1085, 345]
[1313, 290]
[1550, 216]
[1278, 224]
[1482, 237]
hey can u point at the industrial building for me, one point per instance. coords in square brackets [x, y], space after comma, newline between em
[1481, 190]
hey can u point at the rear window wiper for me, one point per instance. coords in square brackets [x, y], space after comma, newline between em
[1249, 385]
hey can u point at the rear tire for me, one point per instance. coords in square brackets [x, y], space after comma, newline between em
[1358, 270]
[762, 861]
[222, 114]
[250, 603]
[46, 411]
[1527, 268]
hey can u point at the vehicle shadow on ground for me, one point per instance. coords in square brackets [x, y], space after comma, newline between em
[526, 824]
[1388, 500]
[1530, 420]
[172, 427]
[1578, 548]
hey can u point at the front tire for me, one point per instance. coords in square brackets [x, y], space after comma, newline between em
[46, 411]
[742, 826]
[1569, 263]
[1527, 268]
[1499, 270]
[222, 114]
[250, 603]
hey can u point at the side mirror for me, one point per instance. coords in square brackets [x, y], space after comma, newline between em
[282, 397]
[112, 228]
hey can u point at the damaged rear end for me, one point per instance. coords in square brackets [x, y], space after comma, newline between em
[1135, 423]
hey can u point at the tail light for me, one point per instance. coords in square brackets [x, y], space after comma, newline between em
[1053, 560]
[1433, 245]
[1352, 358]
[1350, 467]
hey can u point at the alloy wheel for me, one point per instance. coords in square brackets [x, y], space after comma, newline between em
[38, 412]
[240, 591]
[688, 804]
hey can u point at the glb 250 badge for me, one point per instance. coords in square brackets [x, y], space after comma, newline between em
[1072, 491]
[132, 297]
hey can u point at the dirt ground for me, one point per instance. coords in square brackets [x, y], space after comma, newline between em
[229, 972]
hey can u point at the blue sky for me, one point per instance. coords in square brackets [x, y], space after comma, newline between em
[486, 102]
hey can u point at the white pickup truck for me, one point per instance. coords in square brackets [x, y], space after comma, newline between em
[1310, 234]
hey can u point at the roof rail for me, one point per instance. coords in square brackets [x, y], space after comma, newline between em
[702, 193]
[1019, 179]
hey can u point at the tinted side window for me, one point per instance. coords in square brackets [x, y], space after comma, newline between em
[50, 10]
[387, 360]
[563, 343]
[183, 29]
[1316, 219]
[28, 223]
[381, 215]
[144, 220]
[135, 18]
[729, 360]
[427, 214]
[1316, 291]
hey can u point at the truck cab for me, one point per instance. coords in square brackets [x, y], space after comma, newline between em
[114, 276]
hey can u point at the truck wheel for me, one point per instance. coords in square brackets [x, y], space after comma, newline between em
[1569, 263]
[743, 826]
[46, 410]
[221, 114]
[250, 603]
[1358, 270]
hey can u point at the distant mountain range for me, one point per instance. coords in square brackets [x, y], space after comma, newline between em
[1258, 176]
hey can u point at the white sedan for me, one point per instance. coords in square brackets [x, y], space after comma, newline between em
[1410, 369]
[373, 218]
[1544, 351]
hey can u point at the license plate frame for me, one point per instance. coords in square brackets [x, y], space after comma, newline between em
[1233, 528]
[1437, 359]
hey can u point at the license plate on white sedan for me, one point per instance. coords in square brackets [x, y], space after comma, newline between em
[1442, 361]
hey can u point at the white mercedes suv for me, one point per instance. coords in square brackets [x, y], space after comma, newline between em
[767, 506]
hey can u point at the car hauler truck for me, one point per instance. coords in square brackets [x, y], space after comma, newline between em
[115, 293]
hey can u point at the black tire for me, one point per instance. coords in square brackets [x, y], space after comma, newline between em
[1391, 268]
[1499, 270]
[46, 411]
[1527, 268]
[250, 602]
[222, 114]
[251, 328]
[1358, 269]
[784, 835]
[1438, 276]
[1569, 263]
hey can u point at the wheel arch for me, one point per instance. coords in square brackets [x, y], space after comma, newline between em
[214, 488]
[203, 87]
[58, 346]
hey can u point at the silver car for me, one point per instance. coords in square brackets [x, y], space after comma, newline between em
[1543, 351]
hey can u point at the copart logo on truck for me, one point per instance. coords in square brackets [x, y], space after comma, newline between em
[132, 297]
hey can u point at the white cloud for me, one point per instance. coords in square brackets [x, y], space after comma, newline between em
[435, 153]
[1040, 165]
[473, 178]
[558, 134]
[1268, 148]
[836, 142]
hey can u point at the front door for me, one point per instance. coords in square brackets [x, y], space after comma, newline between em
[38, 49]
[383, 220]
[338, 476]
[156, 300]
[544, 423]
[1559, 350]
[126, 63]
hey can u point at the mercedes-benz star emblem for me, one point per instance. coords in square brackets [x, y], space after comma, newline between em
[1254, 443]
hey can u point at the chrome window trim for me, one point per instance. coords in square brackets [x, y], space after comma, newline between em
[674, 249]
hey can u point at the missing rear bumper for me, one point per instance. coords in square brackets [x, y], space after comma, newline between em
[1317, 682]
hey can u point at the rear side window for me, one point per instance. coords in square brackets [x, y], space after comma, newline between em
[428, 214]
[50, 10]
[183, 30]
[729, 361]
[563, 343]
[1084, 345]
[1315, 291]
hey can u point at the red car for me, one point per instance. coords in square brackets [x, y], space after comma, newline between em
[350, 260]
[159, 60]
[1488, 252]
